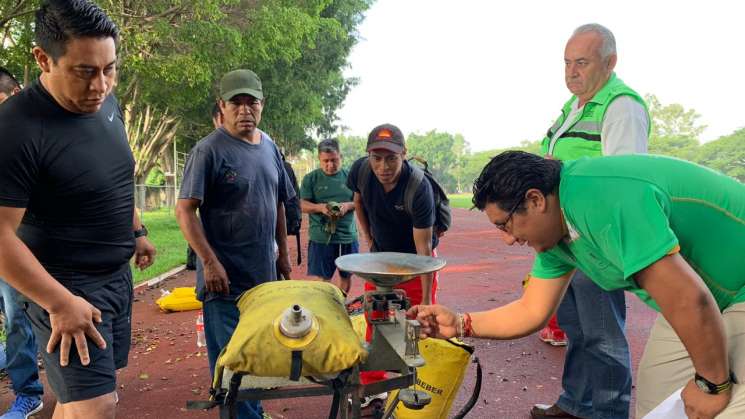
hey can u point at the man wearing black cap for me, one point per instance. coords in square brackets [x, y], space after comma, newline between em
[236, 179]
[379, 183]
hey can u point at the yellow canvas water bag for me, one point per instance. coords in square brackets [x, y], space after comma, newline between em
[263, 345]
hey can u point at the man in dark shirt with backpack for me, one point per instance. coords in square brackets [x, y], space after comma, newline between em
[392, 220]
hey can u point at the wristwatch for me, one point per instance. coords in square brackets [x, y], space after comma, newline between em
[710, 388]
[141, 232]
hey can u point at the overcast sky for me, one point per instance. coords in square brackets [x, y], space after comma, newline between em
[493, 70]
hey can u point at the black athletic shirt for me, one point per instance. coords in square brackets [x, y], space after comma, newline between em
[74, 174]
[391, 227]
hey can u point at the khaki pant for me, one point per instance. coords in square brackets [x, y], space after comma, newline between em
[666, 366]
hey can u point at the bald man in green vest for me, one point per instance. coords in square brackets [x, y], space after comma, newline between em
[603, 117]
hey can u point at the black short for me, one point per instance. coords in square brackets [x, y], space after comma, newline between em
[75, 382]
[321, 258]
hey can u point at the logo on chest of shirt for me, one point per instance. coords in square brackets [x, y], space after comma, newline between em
[231, 176]
[399, 207]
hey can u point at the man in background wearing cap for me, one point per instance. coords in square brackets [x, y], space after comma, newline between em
[235, 178]
[383, 219]
[332, 230]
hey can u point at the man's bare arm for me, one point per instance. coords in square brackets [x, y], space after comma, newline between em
[191, 228]
[526, 315]
[22, 270]
[313, 208]
[514, 320]
[71, 317]
[144, 250]
[687, 304]
[362, 218]
[423, 243]
[283, 261]
[215, 277]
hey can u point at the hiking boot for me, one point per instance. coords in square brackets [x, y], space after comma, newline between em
[23, 407]
[555, 337]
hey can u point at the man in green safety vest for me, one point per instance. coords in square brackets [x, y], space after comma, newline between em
[603, 117]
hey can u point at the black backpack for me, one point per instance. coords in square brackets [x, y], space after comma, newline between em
[293, 215]
[443, 218]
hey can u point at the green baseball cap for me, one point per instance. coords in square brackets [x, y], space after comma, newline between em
[240, 82]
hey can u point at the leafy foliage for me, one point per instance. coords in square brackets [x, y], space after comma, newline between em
[444, 153]
[173, 53]
[16, 36]
[352, 148]
[726, 154]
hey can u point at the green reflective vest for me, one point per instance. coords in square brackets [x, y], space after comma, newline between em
[582, 139]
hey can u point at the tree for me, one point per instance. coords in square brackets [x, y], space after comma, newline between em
[445, 154]
[726, 154]
[460, 149]
[351, 149]
[675, 131]
[672, 120]
[473, 166]
[16, 35]
[173, 52]
[474, 163]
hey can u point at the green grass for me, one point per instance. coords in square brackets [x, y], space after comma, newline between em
[461, 200]
[170, 244]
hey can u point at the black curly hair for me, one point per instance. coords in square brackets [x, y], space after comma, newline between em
[508, 176]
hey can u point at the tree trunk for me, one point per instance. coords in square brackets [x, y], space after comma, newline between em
[150, 133]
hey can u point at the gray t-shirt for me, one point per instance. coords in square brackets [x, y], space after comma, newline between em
[239, 185]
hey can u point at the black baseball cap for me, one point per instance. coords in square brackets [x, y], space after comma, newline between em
[386, 137]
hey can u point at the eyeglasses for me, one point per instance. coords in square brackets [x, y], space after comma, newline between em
[503, 225]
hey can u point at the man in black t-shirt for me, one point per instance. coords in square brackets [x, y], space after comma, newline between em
[67, 222]
[379, 183]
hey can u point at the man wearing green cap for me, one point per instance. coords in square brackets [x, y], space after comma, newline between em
[236, 179]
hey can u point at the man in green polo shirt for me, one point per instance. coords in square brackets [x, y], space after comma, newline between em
[325, 197]
[669, 231]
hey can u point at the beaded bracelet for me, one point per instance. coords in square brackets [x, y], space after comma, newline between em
[464, 328]
[467, 327]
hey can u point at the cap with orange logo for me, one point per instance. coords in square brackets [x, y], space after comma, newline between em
[386, 137]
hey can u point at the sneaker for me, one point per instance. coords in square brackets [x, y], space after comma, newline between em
[554, 337]
[23, 407]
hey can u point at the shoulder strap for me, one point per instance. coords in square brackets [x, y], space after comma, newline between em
[363, 176]
[415, 179]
